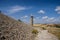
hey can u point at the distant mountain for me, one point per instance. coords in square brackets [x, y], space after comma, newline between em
[11, 29]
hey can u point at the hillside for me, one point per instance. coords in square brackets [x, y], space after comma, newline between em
[11, 29]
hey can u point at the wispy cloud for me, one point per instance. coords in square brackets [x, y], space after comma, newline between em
[41, 11]
[17, 8]
[57, 9]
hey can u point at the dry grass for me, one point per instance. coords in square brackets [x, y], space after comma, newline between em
[52, 28]
[55, 31]
[34, 31]
[11, 29]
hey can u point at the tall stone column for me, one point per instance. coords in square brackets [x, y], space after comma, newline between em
[31, 20]
[0, 11]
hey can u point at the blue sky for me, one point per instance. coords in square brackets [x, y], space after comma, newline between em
[44, 11]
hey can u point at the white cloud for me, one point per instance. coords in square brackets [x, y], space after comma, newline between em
[52, 19]
[57, 9]
[37, 17]
[45, 17]
[17, 8]
[58, 12]
[34, 19]
[48, 19]
[41, 11]
[24, 17]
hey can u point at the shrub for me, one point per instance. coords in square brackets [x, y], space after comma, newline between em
[43, 28]
[34, 31]
[58, 26]
[19, 20]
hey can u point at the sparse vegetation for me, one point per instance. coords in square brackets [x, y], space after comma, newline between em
[55, 31]
[43, 28]
[52, 28]
[58, 26]
[11, 29]
[34, 31]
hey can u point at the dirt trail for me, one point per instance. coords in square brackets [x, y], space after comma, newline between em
[45, 35]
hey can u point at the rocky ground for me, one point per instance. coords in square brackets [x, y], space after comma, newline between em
[11, 29]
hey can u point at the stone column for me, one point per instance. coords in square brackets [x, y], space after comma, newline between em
[31, 20]
[0, 11]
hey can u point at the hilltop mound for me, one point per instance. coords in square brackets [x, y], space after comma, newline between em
[11, 29]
